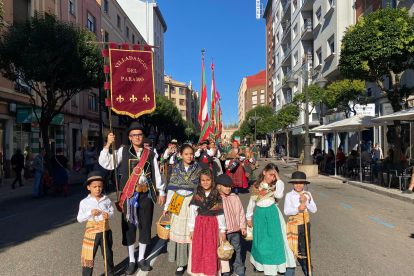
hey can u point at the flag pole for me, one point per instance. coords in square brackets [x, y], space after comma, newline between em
[110, 118]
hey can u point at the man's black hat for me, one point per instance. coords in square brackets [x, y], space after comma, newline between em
[94, 176]
[134, 126]
[205, 142]
[224, 179]
[147, 140]
[299, 177]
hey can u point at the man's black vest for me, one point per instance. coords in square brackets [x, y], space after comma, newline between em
[200, 159]
[129, 161]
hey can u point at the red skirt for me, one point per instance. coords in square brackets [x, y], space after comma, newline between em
[238, 177]
[204, 257]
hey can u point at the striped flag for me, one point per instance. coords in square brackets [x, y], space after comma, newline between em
[203, 115]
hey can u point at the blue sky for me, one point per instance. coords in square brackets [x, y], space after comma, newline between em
[230, 33]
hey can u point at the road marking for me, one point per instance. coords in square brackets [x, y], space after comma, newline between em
[324, 195]
[347, 206]
[46, 204]
[9, 217]
[380, 221]
[153, 256]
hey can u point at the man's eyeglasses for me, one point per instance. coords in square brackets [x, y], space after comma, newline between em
[137, 135]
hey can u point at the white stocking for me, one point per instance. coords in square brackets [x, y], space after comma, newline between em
[131, 254]
[142, 248]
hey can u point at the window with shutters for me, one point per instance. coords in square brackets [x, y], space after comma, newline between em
[72, 7]
[91, 22]
[92, 102]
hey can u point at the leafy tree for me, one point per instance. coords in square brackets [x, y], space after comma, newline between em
[345, 94]
[261, 127]
[237, 133]
[192, 134]
[315, 96]
[379, 45]
[1, 10]
[285, 118]
[54, 60]
[231, 125]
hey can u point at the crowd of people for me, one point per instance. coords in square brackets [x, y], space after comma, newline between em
[204, 211]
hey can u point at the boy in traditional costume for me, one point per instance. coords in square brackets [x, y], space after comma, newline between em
[236, 172]
[141, 187]
[184, 179]
[235, 221]
[270, 250]
[204, 155]
[296, 203]
[95, 210]
[206, 221]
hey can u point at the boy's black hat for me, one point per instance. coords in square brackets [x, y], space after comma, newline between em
[299, 177]
[204, 142]
[134, 126]
[224, 179]
[94, 176]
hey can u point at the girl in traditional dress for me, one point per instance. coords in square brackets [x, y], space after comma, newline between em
[270, 250]
[206, 220]
[185, 177]
[237, 173]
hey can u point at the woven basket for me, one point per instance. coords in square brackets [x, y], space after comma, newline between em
[162, 231]
[249, 234]
[225, 251]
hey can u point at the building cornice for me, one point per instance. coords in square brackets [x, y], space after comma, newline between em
[160, 17]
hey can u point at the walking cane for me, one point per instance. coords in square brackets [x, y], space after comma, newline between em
[306, 235]
[103, 234]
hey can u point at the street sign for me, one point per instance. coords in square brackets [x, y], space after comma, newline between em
[257, 9]
[367, 110]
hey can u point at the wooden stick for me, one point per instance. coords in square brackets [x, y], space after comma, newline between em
[307, 239]
[103, 234]
[107, 43]
[106, 62]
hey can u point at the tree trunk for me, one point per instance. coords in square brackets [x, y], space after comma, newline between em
[44, 128]
[397, 142]
[287, 146]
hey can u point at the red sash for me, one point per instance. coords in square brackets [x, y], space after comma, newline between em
[129, 188]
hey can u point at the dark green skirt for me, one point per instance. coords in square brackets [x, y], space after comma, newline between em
[268, 245]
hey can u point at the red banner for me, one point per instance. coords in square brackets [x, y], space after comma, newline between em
[132, 82]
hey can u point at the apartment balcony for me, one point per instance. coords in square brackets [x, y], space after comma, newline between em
[286, 55]
[285, 8]
[286, 78]
[307, 5]
[306, 30]
[286, 30]
[308, 54]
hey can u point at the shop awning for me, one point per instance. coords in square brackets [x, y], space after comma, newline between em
[25, 115]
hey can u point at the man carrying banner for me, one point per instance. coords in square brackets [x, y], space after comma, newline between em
[140, 181]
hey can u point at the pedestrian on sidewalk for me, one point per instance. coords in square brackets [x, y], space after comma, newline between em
[89, 156]
[59, 175]
[255, 151]
[206, 221]
[138, 165]
[184, 179]
[270, 249]
[39, 167]
[28, 170]
[235, 222]
[78, 160]
[296, 202]
[95, 208]
[17, 162]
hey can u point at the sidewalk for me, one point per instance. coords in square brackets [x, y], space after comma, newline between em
[393, 193]
[6, 190]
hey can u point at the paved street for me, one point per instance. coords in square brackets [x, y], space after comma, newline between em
[354, 232]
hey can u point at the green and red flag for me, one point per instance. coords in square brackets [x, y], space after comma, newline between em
[203, 114]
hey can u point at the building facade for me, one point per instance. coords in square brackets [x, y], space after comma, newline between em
[226, 135]
[242, 100]
[147, 17]
[255, 91]
[270, 52]
[184, 97]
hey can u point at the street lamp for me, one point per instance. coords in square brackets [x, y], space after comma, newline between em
[307, 73]
[254, 119]
[189, 132]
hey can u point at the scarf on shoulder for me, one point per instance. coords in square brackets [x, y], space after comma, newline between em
[263, 192]
[207, 207]
[185, 180]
